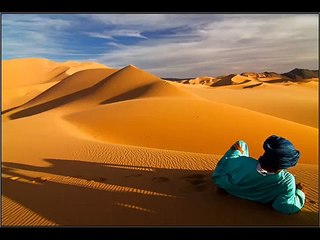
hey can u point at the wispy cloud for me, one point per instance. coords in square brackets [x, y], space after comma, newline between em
[127, 33]
[33, 35]
[153, 22]
[116, 33]
[52, 36]
[169, 45]
[233, 43]
[99, 35]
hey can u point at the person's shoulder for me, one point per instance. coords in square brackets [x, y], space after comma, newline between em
[288, 177]
[251, 159]
[248, 162]
[287, 174]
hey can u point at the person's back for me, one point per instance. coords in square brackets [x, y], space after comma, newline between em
[243, 176]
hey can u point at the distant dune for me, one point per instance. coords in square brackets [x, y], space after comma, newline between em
[298, 74]
[253, 79]
[85, 144]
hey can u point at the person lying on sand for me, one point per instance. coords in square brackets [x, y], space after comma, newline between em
[265, 180]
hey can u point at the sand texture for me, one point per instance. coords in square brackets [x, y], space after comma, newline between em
[85, 144]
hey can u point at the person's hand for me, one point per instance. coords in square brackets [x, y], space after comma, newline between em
[299, 186]
[236, 146]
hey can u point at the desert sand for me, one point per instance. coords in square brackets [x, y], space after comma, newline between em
[85, 144]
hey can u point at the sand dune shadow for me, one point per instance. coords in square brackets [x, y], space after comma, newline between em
[77, 193]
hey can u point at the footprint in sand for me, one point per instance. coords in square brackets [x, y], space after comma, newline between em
[14, 178]
[40, 179]
[312, 202]
[100, 179]
[197, 180]
[97, 179]
[77, 176]
[134, 175]
[160, 179]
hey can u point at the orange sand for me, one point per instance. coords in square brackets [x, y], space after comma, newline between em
[99, 146]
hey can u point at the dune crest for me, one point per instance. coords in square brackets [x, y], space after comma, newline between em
[30, 77]
[252, 79]
[92, 87]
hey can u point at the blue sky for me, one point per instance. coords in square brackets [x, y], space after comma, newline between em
[168, 45]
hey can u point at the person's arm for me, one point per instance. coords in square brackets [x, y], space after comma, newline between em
[235, 151]
[291, 201]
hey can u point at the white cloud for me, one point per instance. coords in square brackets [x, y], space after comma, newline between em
[152, 22]
[257, 43]
[39, 22]
[116, 33]
[98, 35]
[127, 33]
[44, 36]
[26, 35]
[171, 45]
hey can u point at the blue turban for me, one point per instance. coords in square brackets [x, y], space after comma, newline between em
[279, 153]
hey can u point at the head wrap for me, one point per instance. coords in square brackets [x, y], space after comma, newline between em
[279, 153]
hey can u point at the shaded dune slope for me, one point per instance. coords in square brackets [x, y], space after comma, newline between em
[91, 87]
[30, 77]
[74, 84]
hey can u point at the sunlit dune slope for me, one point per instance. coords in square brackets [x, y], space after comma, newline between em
[189, 124]
[79, 66]
[17, 96]
[92, 87]
[297, 102]
[26, 72]
[76, 83]
[31, 76]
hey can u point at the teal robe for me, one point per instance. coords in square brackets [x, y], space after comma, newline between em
[237, 174]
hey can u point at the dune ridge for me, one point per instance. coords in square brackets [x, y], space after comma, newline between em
[252, 79]
[293, 102]
[28, 74]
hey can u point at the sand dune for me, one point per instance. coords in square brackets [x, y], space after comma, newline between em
[227, 80]
[102, 146]
[238, 79]
[294, 102]
[15, 97]
[131, 81]
[252, 79]
[75, 83]
[297, 74]
[106, 184]
[15, 214]
[30, 77]
[205, 80]
[174, 126]
[74, 67]
[92, 87]
[26, 72]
